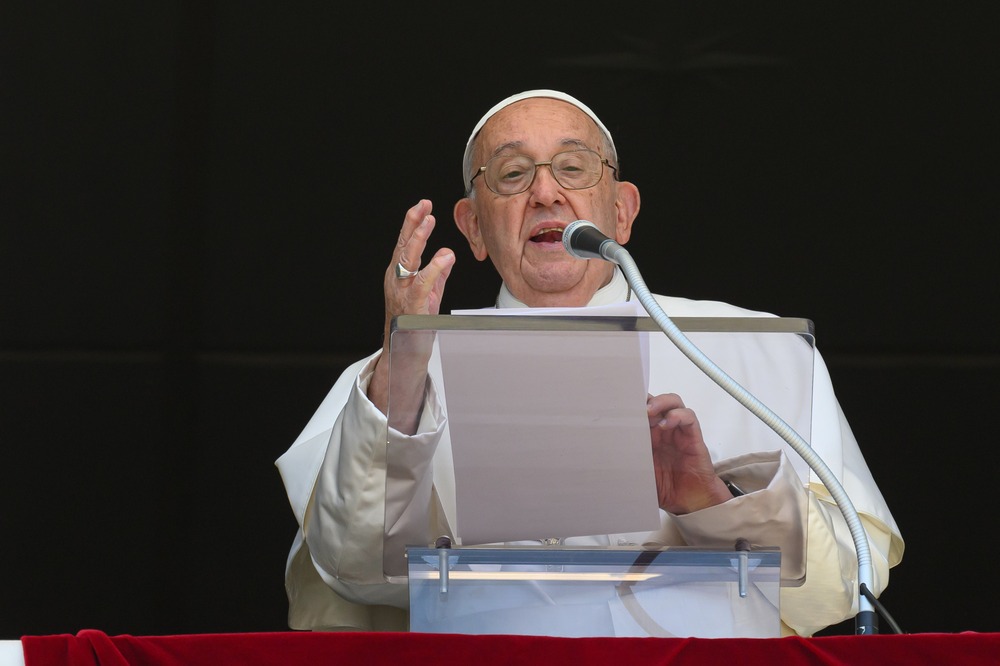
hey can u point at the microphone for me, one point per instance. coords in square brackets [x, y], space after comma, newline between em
[583, 240]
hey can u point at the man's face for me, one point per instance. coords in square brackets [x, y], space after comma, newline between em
[522, 233]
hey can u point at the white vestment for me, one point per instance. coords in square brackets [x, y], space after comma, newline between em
[336, 477]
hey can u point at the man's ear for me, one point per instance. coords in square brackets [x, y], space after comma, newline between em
[468, 223]
[627, 207]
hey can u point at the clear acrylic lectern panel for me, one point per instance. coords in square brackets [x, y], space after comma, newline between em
[558, 591]
[542, 428]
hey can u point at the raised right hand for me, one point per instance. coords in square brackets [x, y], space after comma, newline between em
[419, 294]
[422, 293]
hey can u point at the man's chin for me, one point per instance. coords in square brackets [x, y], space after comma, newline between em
[557, 289]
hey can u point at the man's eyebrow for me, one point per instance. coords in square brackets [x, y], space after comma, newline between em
[510, 145]
[574, 142]
[514, 145]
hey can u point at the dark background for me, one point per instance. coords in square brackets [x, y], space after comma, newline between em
[198, 201]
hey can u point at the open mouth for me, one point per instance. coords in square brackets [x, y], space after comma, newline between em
[551, 235]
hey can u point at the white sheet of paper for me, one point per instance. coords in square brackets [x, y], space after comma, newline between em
[777, 369]
[549, 434]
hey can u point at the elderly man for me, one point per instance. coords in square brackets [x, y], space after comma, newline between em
[534, 163]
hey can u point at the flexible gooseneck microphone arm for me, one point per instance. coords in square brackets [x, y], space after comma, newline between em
[584, 240]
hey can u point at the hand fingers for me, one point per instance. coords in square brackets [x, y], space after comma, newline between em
[409, 287]
[417, 227]
[428, 284]
[661, 404]
[675, 418]
[668, 411]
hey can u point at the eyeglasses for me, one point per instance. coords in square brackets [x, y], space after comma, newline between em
[572, 169]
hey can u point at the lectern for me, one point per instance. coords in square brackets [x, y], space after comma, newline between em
[542, 435]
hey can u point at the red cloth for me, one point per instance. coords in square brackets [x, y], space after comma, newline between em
[93, 648]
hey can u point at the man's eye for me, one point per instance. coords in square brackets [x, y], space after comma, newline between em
[572, 171]
[512, 174]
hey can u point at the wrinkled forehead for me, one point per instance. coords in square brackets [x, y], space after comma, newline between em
[564, 104]
[538, 124]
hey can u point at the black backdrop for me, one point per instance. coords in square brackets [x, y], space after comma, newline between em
[198, 200]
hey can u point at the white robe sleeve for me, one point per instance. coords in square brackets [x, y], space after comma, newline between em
[336, 475]
[774, 512]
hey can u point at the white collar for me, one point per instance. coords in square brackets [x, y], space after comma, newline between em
[616, 291]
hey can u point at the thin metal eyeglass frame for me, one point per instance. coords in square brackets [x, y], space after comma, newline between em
[604, 163]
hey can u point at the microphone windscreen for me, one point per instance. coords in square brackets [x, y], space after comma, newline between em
[583, 240]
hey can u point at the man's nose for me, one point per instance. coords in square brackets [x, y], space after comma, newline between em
[545, 189]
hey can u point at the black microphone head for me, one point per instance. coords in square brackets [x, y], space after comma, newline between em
[583, 240]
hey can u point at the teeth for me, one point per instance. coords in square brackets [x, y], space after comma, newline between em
[549, 230]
